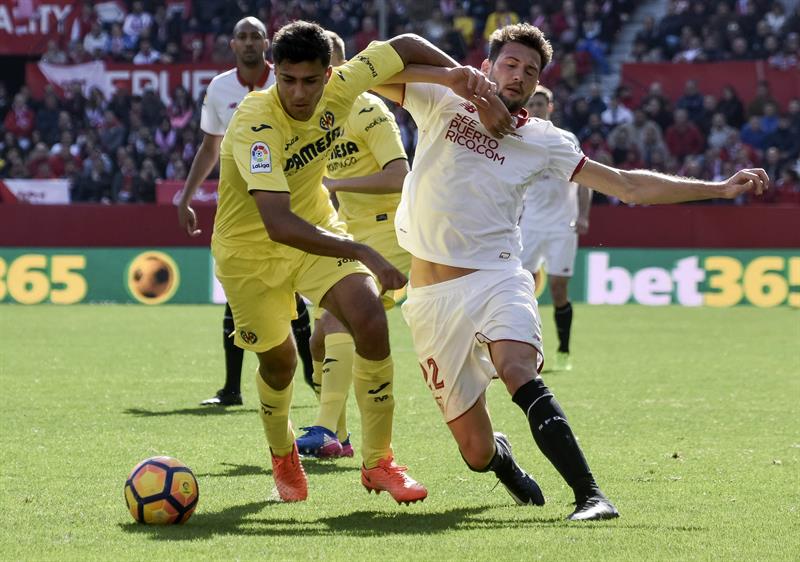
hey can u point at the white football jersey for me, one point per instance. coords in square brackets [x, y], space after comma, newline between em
[223, 96]
[551, 202]
[463, 198]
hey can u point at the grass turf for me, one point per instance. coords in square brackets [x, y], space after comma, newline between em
[689, 419]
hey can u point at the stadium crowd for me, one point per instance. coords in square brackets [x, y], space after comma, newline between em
[115, 150]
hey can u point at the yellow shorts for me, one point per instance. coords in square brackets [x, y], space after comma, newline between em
[378, 233]
[260, 287]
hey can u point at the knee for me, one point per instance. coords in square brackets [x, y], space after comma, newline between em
[317, 342]
[477, 453]
[371, 331]
[516, 373]
[277, 372]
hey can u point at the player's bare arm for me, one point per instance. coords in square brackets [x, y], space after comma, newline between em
[204, 161]
[584, 205]
[285, 227]
[643, 187]
[466, 81]
[388, 180]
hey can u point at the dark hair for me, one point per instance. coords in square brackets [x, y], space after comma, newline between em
[542, 91]
[301, 41]
[524, 33]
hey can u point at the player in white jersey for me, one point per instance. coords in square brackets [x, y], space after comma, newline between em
[554, 213]
[471, 306]
[223, 95]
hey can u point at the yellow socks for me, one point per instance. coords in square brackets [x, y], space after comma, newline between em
[317, 378]
[374, 387]
[337, 375]
[274, 412]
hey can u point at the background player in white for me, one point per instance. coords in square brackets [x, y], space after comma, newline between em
[554, 213]
[252, 72]
[471, 307]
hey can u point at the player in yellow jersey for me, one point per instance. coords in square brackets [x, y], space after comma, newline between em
[276, 232]
[365, 170]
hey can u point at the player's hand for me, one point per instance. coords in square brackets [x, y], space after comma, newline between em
[471, 84]
[496, 118]
[582, 225]
[388, 275]
[749, 179]
[188, 219]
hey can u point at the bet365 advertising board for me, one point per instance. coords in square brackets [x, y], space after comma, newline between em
[717, 278]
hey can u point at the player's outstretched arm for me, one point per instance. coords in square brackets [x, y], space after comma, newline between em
[388, 180]
[414, 49]
[643, 187]
[285, 227]
[584, 205]
[204, 161]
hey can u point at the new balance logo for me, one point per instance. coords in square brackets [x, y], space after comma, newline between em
[377, 390]
[329, 360]
[366, 110]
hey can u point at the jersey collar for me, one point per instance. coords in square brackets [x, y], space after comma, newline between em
[522, 117]
[261, 79]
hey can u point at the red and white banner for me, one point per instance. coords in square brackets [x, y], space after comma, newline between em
[27, 25]
[168, 192]
[45, 192]
[163, 78]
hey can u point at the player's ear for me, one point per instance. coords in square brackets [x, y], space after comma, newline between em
[328, 73]
[486, 65]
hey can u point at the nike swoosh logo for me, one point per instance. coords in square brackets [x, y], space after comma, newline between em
[329, 360]
[366, 110]
[377, 390]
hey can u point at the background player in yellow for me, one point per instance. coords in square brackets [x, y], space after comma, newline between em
[276, 232]
[365, 170]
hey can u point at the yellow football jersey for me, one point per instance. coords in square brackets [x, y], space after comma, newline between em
[371, 140]
[265, 149]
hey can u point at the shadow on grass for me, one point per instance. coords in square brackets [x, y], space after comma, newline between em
[246, 520]
[202, 411]
[198, 411]
[241, 520]
[311, 466]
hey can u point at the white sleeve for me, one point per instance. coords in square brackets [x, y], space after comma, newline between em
[565, 155]
[421, 99]
[210, 121]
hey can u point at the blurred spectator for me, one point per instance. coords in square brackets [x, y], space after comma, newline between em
[464, 24]
[769, 119]
[683, 138]
[596, 102]
[367, 34]
[637, 129]
[54, 55]
[616, 113]
[83, 23]
[144, 183]
[20, 120]
[146, 54]
[595, 145]
[165, 137]
[776, 17]
[112, 131]
[94, 183]
[47, 118]
[784, 139]
[96, 41]
[136, 23]
[117, 46]
[763, 97]
[181, 110]
[753, 135]
[339, 22]
[691, 100]
[498, 18]
[731, 107]
[720, 131]
[594, 125]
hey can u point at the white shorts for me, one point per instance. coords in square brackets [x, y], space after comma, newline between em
[453, 322]
[557, 250]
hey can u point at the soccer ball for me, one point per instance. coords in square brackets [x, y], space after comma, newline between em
[151, 276]
[161, 491]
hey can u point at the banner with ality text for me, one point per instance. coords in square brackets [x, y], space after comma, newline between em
[26, 26]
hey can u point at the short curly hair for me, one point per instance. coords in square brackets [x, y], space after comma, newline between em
[524, 33]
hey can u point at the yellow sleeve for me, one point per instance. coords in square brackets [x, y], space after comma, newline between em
[372, 66]
[377, 126]
[258, 151]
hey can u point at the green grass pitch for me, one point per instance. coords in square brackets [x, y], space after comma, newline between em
[689, 419]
